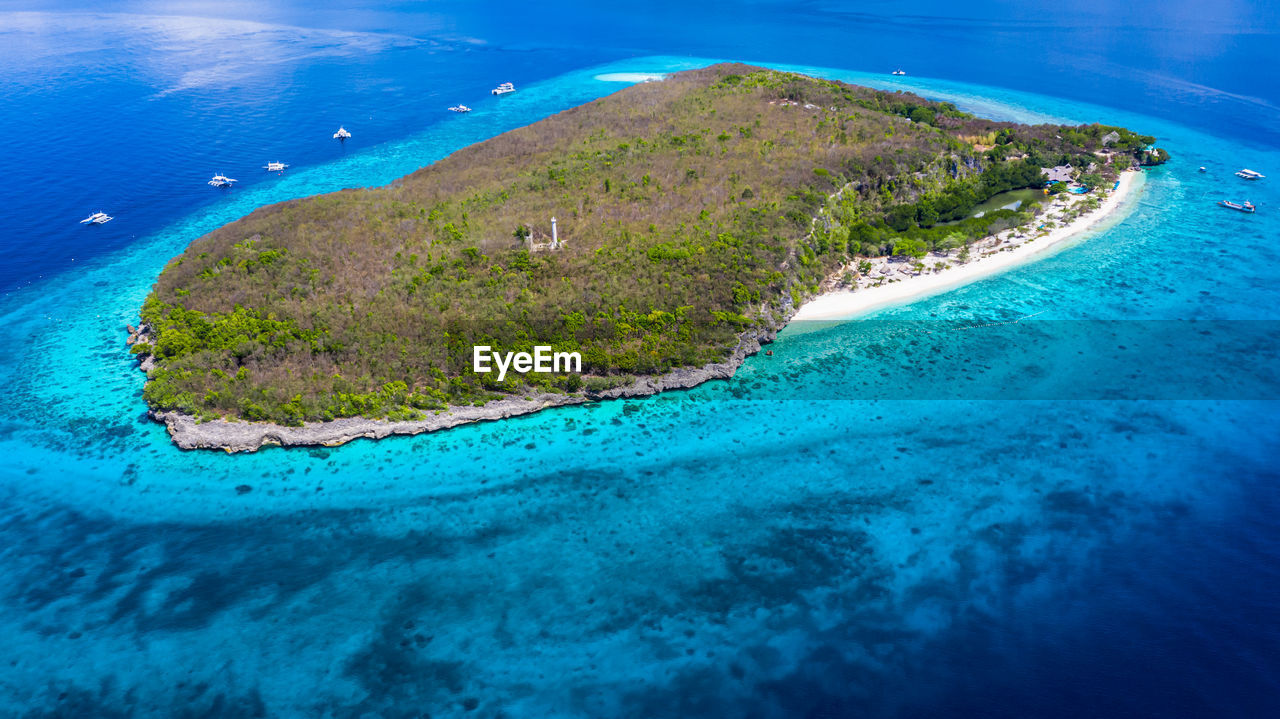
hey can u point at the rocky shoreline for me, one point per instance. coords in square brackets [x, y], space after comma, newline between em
[241, 436]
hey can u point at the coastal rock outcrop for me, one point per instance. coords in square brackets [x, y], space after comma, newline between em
[686, 378]
[141, 335]
[188, 432]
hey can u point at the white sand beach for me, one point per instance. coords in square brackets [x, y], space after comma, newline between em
[890, 282]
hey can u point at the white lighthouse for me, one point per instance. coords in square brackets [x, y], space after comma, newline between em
[555, 237]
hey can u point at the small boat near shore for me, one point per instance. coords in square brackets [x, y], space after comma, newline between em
[97, 218]
[1248, 174]
[221, 181]
[1246, 206]
[275, 167]
[459, 108]
[503, 89]
[341, 134]
[899, 71]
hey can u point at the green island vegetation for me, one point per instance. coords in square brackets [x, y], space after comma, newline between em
[690, 211]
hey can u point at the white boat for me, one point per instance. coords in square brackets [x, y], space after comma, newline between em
[503, 89]
[1246, 206]
[460, 108]
[341, 134]
[1250, 174]
[221, 181]
[97, 218]
[274, 167]
[899, 72]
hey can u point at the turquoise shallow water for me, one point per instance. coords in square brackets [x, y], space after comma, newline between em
[783, 544]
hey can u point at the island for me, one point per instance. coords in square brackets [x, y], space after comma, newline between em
[660, 234]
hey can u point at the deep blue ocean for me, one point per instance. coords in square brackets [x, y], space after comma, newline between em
[1076, 515]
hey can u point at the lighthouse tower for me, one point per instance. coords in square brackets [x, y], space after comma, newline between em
[555, 237]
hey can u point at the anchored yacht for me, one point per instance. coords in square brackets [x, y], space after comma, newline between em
[460, 108]
[274, 167]
[221, 181]
[899, 72]
[341, 134]
[97, 218]
[1250, 174]
[503, 89]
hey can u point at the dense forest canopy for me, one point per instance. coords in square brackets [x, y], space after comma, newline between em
[686, 212]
